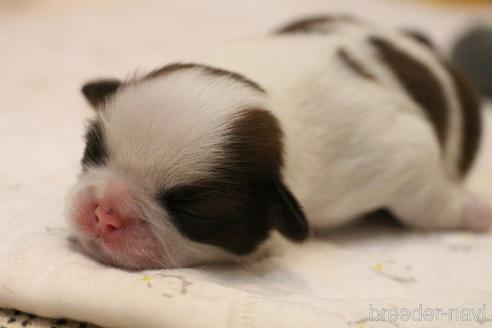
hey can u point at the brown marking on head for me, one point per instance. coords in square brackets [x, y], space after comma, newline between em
[470, 116]
[255, 135]
[419, 82]
[244, 197]
[209, 70]
[315, 24]
[354, 65]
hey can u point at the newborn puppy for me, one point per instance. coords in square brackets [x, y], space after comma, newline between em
[327, 119]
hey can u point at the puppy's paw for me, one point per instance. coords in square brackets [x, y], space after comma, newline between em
[478, 214]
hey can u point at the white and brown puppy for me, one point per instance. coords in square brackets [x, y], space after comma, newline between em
[325, 119]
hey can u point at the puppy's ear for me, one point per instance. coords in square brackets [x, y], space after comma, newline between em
[286, 214]
[98, 91]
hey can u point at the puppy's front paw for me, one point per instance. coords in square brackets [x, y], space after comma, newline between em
[478, 214]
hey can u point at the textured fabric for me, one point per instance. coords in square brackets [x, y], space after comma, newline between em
[17, 319]
[334, 280]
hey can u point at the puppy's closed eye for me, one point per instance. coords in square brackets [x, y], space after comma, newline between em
[215, 215]
[203, 201]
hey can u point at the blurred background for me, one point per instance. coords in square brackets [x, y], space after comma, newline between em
[48, 48]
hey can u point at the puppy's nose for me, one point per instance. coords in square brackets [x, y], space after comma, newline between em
[106, 219]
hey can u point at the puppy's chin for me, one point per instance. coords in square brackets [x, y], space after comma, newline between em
[133, 246]
[136, 239]
[142, 255]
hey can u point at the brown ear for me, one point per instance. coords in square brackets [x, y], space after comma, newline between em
[286, 213]
[98, 91]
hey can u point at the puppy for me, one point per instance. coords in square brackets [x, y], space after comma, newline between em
[327, 119]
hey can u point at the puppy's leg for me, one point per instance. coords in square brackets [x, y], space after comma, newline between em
[425, 196]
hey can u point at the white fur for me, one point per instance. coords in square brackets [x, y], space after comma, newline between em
[172, 126]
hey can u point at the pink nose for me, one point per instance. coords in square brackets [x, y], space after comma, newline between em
[106, 220]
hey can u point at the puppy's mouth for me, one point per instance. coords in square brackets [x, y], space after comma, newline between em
[126, 250]
[114, 235]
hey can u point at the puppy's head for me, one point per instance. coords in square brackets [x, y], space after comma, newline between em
[181, 167]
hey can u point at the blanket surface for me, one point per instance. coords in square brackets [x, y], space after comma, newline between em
[351, 277]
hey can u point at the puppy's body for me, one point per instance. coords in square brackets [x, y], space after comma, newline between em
[338, 115]
[355, 138]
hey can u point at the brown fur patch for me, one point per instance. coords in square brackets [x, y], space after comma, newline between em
[419, 82]
[211, 71]
[255, 136]
[470, 116]
[354, 65]
[244, 198]
[313, 24]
